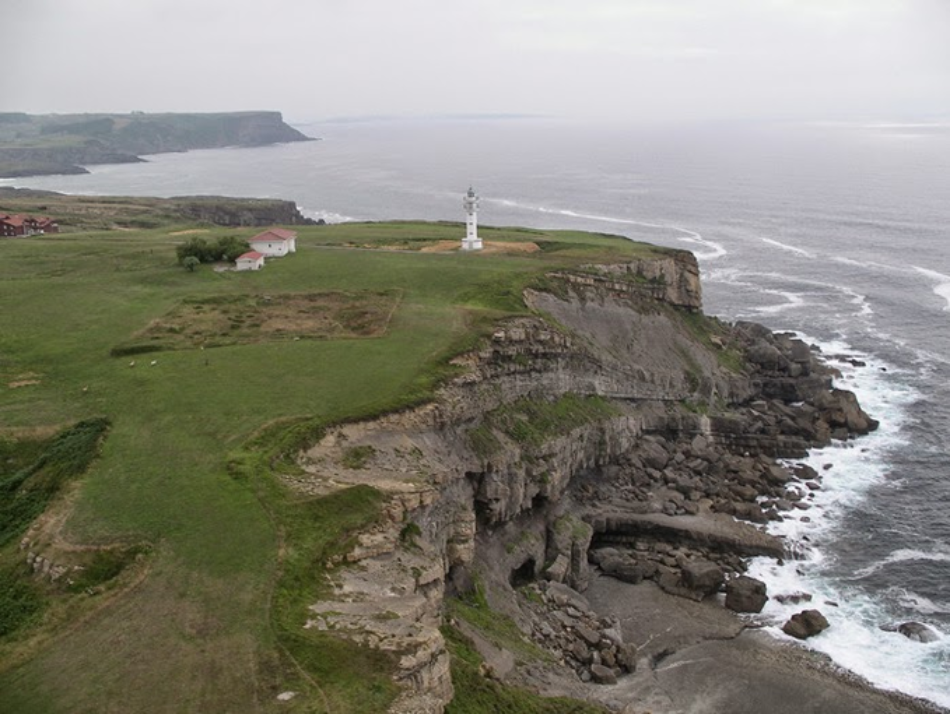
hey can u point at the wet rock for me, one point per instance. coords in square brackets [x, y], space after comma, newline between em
[745, 594]
[918, 632]
[805, 624]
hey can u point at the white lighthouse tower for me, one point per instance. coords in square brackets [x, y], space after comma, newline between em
[471, 241]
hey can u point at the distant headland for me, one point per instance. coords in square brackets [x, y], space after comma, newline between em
[38, 145]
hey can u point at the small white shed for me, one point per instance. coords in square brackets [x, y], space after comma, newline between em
[251, 260]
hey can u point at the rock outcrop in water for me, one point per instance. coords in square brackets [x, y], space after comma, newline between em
[618, 429]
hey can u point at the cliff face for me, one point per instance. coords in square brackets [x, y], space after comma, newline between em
[618, 406]
[36, 145]
[222, 211]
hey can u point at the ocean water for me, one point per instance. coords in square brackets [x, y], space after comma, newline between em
[840, 233]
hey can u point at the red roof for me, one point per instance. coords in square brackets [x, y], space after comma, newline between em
[13, 220]
[251, 255]
[274, 234]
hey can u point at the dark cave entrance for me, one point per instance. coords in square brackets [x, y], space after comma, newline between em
[523, 574]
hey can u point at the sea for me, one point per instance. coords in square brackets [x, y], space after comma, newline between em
[839, 232]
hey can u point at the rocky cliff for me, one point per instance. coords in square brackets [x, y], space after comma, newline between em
[66, 143]
[618, 428]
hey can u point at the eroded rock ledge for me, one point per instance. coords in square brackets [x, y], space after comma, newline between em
[619, 429]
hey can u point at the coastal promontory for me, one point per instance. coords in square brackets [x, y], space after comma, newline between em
[35, 145]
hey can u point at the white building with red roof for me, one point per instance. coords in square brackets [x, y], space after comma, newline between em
[252, 260]
[274, 242]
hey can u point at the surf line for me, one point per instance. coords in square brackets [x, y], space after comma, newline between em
[942, 286]
[715, 250]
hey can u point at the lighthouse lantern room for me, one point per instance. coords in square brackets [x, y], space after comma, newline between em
[471, 241]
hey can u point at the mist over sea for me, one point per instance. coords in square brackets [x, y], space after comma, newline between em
[841, 233]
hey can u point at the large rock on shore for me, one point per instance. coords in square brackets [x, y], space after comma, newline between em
[916, 631]
[745, 594]
[805, 624]
[703, 576]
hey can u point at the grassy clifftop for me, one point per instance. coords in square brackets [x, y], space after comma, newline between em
[64, 143]
[198, 619]
[87, 213]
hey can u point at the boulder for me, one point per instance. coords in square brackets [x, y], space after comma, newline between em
[627, 656]
[703, 576]
[918, 632]
[623, 569]
[653, 455]
[745, 594]
[602, 674]
[794, 598]
[805, 624]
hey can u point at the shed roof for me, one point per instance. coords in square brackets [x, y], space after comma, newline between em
[251, 255]
[273, 234]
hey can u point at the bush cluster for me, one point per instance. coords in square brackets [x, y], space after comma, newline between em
[226, 248]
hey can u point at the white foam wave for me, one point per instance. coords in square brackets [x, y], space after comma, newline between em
[792, 300]
[868, 264]
[713, 250]
[902, 556]
[789, 248]
[942, 284]
[919, 603]
[855, 640]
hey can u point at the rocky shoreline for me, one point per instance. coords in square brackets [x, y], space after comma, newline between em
[598, 476]
[673, 522]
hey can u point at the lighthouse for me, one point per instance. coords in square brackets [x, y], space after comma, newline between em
[471, 241]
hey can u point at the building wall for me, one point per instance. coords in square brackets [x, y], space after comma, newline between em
[249, 264]
[276, 248]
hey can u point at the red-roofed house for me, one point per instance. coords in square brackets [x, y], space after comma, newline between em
[252, 260]
[22, 225]
[10, 225]
[275, 242]
[46, 225]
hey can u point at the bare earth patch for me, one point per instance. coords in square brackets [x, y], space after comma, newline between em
[489, 247]
[27, 379]
[248, 319]
[189, 232]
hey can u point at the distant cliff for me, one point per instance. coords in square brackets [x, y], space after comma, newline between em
[32, 145]
[92, 213]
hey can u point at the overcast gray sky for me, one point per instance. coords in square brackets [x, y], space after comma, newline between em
[625, 59]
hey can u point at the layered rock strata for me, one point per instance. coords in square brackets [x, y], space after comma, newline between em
[617, 429]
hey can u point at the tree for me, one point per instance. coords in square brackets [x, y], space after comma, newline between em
[190, 262]
[225, 248]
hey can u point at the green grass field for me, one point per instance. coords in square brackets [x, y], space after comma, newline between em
[195, 630]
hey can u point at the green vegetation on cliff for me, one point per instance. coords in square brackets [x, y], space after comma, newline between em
[211, 617]
[64, 143]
